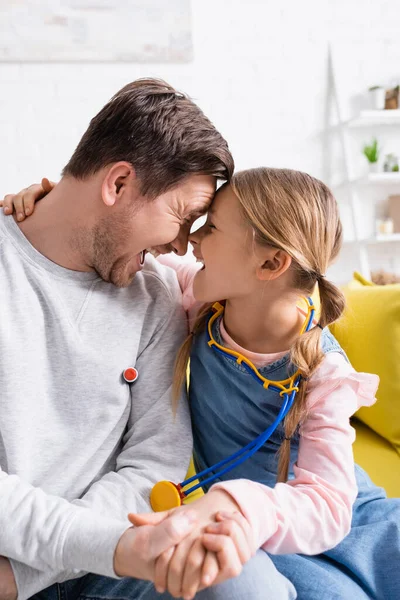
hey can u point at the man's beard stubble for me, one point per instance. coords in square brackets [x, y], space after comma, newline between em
[101, 248]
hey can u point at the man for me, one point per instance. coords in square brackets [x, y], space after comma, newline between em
[80, 447]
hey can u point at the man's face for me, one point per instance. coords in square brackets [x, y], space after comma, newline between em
[121, 239]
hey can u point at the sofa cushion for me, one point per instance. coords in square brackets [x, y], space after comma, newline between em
[369, 332]
[378, 457]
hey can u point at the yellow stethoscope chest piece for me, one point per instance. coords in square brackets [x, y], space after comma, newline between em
[164, 496]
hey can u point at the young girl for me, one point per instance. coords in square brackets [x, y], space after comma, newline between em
[268, 240]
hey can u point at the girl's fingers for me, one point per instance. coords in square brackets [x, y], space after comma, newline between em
[47, 185]
[34, 192]
[193, 570]
[210, 570]
[161, 570]
[19, 207]
[23, 203]
[243, 523]
[176, 567]
[228, 559]
[237, 535]
[28, 201]
[8, 204]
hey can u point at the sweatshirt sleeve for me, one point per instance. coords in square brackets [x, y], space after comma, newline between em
[36, 529]
[186, 271]
[312, 512]
[58, 538]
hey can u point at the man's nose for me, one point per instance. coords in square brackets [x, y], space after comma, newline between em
[180, 243]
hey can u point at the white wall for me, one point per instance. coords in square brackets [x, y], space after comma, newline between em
[260, 72]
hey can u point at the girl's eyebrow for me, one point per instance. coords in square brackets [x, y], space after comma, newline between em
[213, 213]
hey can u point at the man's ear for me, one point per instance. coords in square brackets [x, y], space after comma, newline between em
[276, 262]
[116, 181]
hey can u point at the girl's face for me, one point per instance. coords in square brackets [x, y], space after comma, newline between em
[225, 245]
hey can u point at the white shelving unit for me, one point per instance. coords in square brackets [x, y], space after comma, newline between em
[389, 178]
[366, 119]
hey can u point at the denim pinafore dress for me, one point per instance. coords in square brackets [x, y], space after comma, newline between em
[229, 408]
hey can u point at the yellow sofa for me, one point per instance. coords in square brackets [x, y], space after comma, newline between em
[369, 332]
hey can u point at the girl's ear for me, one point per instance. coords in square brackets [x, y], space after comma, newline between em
[275, 264]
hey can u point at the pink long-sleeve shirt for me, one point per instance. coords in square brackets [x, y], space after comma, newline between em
[312, 512]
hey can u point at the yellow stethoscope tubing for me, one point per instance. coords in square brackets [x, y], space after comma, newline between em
[288, 393]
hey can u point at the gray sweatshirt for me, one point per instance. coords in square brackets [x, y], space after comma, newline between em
[79, 447]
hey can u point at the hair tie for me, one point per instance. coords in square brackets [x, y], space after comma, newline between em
[320, 326]
[288, 439]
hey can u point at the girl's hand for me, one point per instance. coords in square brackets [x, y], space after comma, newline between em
[215, 557]
[203, 558]
[23, 203]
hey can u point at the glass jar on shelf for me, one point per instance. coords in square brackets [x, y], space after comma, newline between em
[391, 163]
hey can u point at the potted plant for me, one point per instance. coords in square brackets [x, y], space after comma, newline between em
[377, 95]
[371, 151]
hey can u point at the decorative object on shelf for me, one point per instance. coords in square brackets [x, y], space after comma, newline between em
[384, 226]
[372, 153]
[365, 245]
[377, 95]
[394, 212]
[392, 98]
[391, 163]
[382, 277]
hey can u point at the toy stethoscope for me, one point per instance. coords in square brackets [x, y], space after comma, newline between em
[165, 494]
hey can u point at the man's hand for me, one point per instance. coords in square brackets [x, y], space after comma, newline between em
[23, 203]
[203, 559]
[8, 587]
[138, 548]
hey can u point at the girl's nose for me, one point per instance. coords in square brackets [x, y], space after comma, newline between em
[197, 236]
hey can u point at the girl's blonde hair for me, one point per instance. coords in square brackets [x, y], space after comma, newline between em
[296, 213]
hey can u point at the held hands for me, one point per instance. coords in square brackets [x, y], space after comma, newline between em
[216, 550]
[23, 203]
[138, 548]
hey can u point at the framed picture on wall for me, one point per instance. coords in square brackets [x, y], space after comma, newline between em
[95, 30]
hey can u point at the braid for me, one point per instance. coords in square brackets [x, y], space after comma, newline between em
[307, 355]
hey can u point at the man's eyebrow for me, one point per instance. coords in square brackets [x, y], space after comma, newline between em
[198, 212]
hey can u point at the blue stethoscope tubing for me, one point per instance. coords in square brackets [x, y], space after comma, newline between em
[251, 448]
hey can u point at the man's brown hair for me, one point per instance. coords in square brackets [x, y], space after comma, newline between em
[158, 130]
